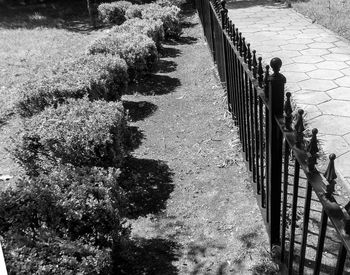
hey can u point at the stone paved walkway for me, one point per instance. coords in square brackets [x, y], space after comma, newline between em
[316, 63]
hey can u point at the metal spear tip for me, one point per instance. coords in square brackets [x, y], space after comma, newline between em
[276, 64]
[223, 3]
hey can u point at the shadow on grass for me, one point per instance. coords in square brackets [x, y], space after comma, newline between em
[154, 84]
[133, 138]
[139, 110]
[147, 256]
[183, 40]
[170, 52]
[70, 15]
[166, 66]
[147, 183]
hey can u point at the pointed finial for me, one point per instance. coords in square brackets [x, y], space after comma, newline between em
[330, 176]
[237, 39]
[312, 150]
[288, 118]
[240, 44]
[299, 128]
[260, 72]
[249, 57]
[229, 27]
[255, 64]
[245, 50]
[233, 34]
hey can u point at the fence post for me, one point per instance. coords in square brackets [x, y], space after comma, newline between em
[224, 21]
[276, 83]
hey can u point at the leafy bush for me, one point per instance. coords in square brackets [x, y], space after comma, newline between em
[98, 76]
[170, 16]
[169, 3]
[134, 11]
[152, 28]
[81, 133]
[139, 51]
[64, 222]
[113, 13]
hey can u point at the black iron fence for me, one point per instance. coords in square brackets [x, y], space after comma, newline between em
[282, 160]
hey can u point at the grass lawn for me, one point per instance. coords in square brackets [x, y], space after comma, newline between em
[35, 38]
[333, 14]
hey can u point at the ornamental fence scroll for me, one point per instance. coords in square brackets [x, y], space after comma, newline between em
[282, 160]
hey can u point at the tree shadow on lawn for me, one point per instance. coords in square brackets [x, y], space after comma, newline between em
[147, 256]
[154, 84]
[166, 66]
[139, 110]
[183, 40]
[147, 183]
[69, 15]
[133, 138]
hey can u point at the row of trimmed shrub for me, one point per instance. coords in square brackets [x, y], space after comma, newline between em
[65, 216]
[118, 12]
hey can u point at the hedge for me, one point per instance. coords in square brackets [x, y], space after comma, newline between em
[113, 13]
[81, 133]
[97, 76]
[152, 28]
[138, 50]
[170, 16]
[134, 11]
[64, 222]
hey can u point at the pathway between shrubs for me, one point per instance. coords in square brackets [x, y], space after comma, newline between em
[196, 210]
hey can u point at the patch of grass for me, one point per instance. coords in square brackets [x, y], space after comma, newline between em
[31, 43]
[333, 14]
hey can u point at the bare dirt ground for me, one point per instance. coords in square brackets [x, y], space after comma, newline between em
[199, 214]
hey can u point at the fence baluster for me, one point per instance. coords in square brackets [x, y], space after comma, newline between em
[320, 244]
[288, 118]
[237, 39]
[305, 227]
[249, 57]
[245, 50]
[312, 150]
[299, 129]
[240, 44]
[260, 72]
[294, 216]
[266, 87]
[285, 198]
[341, 260]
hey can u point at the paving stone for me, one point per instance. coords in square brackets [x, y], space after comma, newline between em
[292, 87]
[312, 59]
[341, 93]
[342, 165]
[317, 84]
[346, 71]
[329, 124]
[330, 39]
[312, 98]
[344, 81]
[337, 57]
[318, 52]
[333, 144]
[294, 47]
[296, 77]
[325, 74]
[332, 65]
[298, 67]
[321, 45]
[335, 107]
[340, 50]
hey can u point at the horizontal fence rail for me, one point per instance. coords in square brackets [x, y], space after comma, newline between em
[282, 160]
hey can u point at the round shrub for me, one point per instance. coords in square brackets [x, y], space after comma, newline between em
[170, 16]
[113, 13]
[97, 76]
[134, 11]
[169, 3]
[151, 28]
[138, 50]
[81, 132]
[64, 222]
